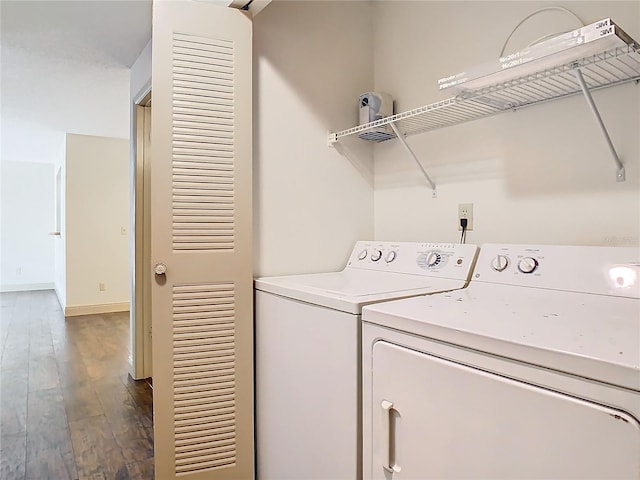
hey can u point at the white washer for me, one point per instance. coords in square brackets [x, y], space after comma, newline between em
[532, 371]
[308, 351]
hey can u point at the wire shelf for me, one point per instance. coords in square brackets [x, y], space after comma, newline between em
[605, 69]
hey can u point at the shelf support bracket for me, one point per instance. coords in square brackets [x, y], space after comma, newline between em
[404, 143]
[620, 176]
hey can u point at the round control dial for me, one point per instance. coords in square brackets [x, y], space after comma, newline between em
[500, 263]
[376, 255]
[362, 255]
[390, 256]
[433, 259]
[528, 265]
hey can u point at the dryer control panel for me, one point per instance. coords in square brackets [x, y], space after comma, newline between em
[447, 260]
[598, 270]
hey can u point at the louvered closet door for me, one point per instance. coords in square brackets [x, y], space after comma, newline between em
[201, 231]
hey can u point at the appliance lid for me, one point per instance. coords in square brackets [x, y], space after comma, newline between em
[591, 336]
[351, 289]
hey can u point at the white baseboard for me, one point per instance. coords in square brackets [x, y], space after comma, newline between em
[25, 287]
[77, 310]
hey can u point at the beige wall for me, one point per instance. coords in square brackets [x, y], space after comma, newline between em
[540, 175]
[311, 61]
[140, 76]
[97, 221]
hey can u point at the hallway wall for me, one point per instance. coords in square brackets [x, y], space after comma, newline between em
[27, 218]
[97, 225]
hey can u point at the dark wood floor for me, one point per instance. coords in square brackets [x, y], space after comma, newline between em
[68, 409]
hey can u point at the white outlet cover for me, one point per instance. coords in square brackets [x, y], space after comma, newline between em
[465, 210]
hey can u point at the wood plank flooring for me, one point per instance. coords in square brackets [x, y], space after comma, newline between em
[68, 408]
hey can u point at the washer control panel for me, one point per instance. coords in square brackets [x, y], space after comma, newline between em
[602, 270]
[449, 260]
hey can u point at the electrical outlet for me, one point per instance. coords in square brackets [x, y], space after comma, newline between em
[101, 287]
[465, 210]
[19, 271]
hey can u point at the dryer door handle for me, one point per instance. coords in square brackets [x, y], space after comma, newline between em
[387, 408]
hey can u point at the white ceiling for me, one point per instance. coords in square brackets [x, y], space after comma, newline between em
[65, 69]
[108, 32]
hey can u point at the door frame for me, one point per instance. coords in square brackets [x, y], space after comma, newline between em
[140, 311]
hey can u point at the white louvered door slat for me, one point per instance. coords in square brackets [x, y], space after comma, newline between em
[201, 230]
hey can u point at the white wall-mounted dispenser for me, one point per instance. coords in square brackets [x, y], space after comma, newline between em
[375, 106]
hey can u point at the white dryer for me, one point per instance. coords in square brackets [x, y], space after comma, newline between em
[532, 371]
[308, 340]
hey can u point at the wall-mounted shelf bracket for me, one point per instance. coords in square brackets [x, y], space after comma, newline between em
[620, 175]
[404, 143]
[332, 139]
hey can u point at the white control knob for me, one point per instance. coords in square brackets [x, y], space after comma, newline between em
[527, 265]
[362, 255]
[376, 255]
[433, 259]
[390, 257]
[160, 269]
[500, 263]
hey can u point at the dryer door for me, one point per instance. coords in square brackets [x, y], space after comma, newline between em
[433, 418]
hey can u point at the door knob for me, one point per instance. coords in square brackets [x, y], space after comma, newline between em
[160, 269]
